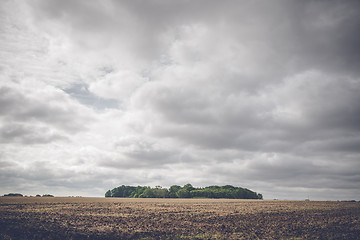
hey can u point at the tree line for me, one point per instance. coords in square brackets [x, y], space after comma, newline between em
[21, 195]
[187, 191]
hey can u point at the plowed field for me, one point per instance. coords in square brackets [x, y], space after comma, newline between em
[117, 218]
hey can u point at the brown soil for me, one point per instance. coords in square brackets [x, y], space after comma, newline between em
[119, 218]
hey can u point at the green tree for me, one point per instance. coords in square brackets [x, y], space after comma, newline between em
[188, 187]
[173, 190]
[183, 193]
[47, 195]
[108, 193]
[160, 192]
[13, 195]
[148, 193]
[187, 191]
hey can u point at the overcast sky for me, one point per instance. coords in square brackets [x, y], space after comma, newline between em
[258, 94]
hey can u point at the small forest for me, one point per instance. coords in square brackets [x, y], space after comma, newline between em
[187, 191]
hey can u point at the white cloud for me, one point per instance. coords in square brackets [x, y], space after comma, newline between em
[34, 102]
[120, 85]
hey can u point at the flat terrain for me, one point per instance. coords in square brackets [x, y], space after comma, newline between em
[119, 218]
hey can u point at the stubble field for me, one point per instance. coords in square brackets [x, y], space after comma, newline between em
[119, 218]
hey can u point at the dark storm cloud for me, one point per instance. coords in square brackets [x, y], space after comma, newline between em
[302, 109]
[316, 34]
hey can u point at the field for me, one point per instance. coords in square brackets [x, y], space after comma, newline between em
[120, 218]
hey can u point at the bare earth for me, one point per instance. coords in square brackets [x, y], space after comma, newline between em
[119, 218]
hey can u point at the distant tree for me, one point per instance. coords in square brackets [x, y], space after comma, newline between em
[199, 193]
[187, 191]
[38, 195]
[160, 192]
[108, 193]
[173, 190]
[13, 195]
[47, 195]
[188, 187]
[229, 187]
[183, 193]
[138, 191]
[148, 193]
[123, 191]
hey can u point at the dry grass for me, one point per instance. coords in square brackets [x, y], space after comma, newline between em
[119, 218]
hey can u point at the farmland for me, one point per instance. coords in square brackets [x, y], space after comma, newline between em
[124, 218]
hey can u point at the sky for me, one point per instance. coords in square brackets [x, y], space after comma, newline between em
[258, 94]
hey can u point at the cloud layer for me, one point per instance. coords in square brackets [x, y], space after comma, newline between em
[261, 95]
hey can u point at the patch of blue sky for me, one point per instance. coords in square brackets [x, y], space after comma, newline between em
[81, 93]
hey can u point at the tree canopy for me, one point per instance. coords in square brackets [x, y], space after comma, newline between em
[13, 195]
[187, 191]
[21, 195]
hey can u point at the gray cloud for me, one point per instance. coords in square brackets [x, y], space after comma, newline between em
[27, 134]
[283, 117]
[258, 94]
[24, 104]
